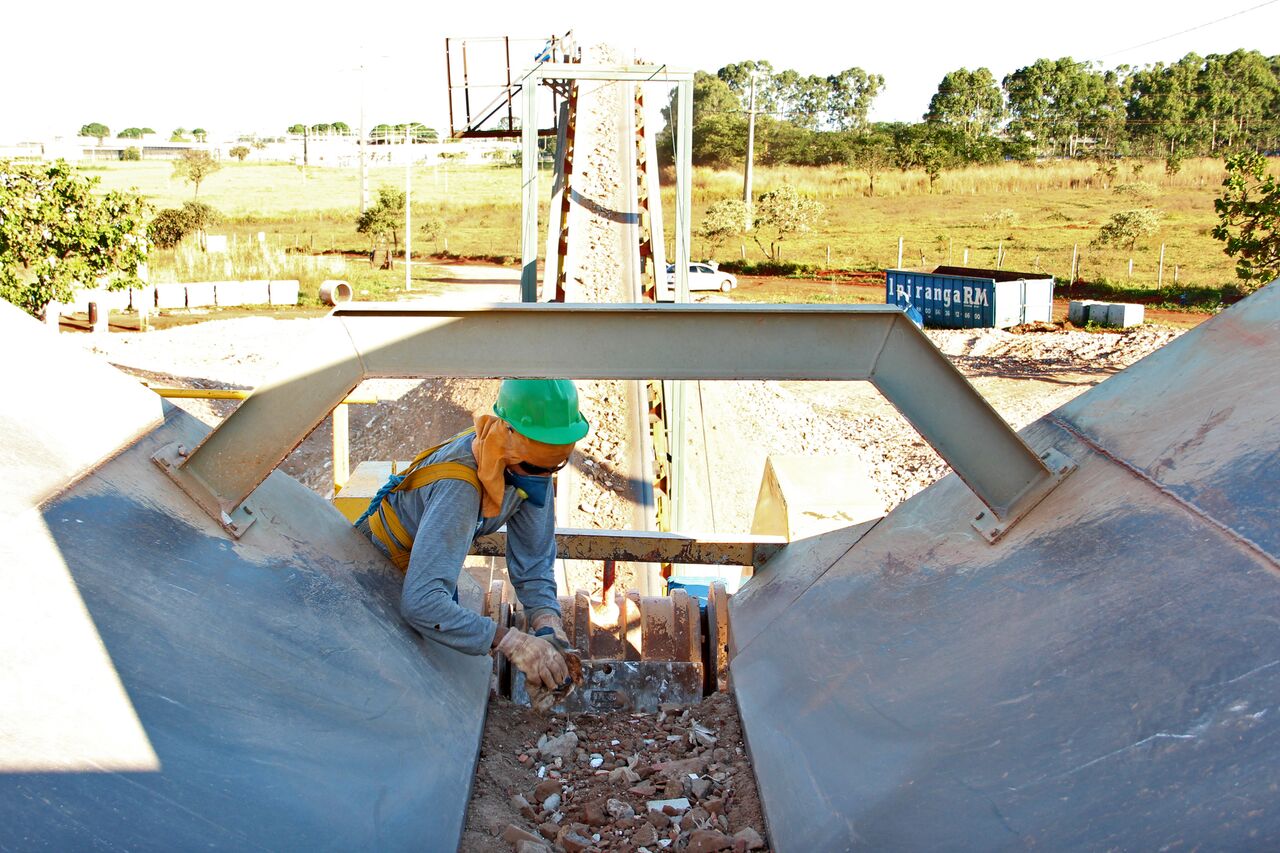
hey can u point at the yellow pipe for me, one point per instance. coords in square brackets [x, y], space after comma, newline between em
[229, 394]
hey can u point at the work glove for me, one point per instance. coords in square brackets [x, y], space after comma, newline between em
[548, 624]
[541, 662]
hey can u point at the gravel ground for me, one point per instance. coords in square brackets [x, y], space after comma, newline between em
[679, 779]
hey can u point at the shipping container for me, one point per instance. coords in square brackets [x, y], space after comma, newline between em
[963, 297]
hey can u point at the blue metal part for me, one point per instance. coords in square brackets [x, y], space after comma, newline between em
[961, 298]
[1104, 677]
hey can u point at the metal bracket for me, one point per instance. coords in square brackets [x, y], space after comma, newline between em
[993, 527]
[170, 459]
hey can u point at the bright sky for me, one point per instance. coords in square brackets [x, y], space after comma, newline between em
[235, 66]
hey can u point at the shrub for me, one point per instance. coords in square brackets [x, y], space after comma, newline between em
[132, 153]
[1128, 226]
[168, 227]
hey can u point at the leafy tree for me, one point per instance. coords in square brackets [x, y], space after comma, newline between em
[737, 77]
[200, 134]
[969, 101]
[1055, 102]
[720, 141]
[168, 227]
[340, 127]
[932, 148]
[57, 235]
[1127, 227]
[133, 153]
[199, 217]
[723, 219]
[1249, 219]
[179, 135]
[851, 94]
[1236, 93]
[299, 129]
[194, 167]
[148, 130]
[432, 228]
[239, 152]
[259, 144]
[98, 130]
[133, 133]
[873, 154]
[384, 218]
[1161, 106]
[780, 214]
[320, 129]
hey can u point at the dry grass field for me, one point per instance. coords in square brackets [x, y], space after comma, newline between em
[1035, 214]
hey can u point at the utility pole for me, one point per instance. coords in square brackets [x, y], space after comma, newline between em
[408, 204]
[364, 165]
[751, 144]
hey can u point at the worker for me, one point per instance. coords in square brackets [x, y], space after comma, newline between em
[425, 518]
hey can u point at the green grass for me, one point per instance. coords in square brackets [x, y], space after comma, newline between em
[1054, 207]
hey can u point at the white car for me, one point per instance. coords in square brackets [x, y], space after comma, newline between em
[704, 275]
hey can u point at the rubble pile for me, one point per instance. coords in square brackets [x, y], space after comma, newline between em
[676, 780]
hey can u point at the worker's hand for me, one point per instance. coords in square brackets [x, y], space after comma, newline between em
[540, 661]
[543, 619]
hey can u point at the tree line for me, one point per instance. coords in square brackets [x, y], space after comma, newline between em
[1197, 106]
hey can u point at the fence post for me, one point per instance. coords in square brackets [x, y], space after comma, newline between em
[1160, 274]
[899, 253]
[1075, 247]
[966, 256]
[1131, 268]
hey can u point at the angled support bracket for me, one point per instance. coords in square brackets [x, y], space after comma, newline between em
[235, 520]
[874, 343]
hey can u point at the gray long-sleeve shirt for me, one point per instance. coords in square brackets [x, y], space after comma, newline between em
[446, 516]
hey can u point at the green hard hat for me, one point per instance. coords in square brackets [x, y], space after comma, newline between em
[544, 410]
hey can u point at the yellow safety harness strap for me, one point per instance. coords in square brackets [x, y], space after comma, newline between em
[386, 525]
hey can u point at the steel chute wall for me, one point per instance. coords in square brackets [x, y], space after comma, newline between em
[169, 688]
[1106, 676]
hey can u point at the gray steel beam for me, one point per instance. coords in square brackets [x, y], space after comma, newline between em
[629, 73]
[866, 342]
[644, 546]
[529, 202]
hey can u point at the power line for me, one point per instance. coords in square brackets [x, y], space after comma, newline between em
[1191, 29]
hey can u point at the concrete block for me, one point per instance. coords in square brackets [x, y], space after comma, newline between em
[142, 299]
[284, 292]
[229, 292]
[257, 292]
[200, 294]
[1124, 314]
[171, 296]
[1097, 312]
[216, 244]
[1078, 311]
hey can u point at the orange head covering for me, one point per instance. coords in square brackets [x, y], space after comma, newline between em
[497, 446]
